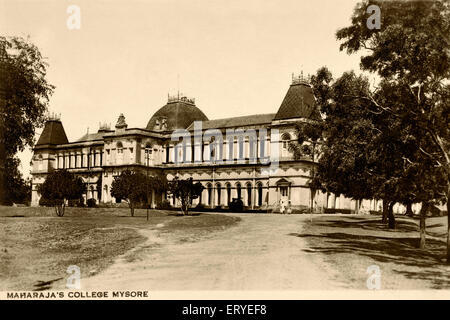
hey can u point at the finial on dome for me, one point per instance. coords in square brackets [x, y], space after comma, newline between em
[301, 79]
[53, 116]
[180, 97]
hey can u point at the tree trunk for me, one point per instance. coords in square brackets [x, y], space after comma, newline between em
[184, 207]
[59, 208]
[385, 211]
[391, 216]
[423, 214]
[409, 211]
[132, 209]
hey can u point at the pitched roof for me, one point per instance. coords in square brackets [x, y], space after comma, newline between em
[299, 102]
[92, 136]
[236, 121]
[52, 134]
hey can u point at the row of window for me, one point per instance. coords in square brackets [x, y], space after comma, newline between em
[204, 152]
[79, 160]
[216, 151]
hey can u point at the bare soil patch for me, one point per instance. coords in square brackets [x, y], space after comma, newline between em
[36, 247]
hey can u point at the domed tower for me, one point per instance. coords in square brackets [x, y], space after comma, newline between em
[178, 113]
[299, 101]
[44, 159]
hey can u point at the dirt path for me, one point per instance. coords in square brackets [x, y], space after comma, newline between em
[257, 254]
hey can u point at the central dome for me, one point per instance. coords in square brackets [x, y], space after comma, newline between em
[178, 113]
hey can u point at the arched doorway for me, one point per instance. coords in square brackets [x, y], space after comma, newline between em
[210, 200]
[219, 194]
[238, 190]
[260, 194]
[249, 194]
[228, 187]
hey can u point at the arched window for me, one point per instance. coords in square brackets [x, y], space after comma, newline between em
[219, 194]
[228, 186]
[249, 194]
[260, 194]
[285, 140]
[119, 146]
[40, 161]
[209, 187]
[238, 190]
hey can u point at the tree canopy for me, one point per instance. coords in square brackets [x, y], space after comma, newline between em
[25, 89]
[134, 187]
[59, 186]
[24, 98]
[411, 55]
[185, 190]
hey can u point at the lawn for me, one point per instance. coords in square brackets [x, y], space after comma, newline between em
[36, 246]
[350, 244]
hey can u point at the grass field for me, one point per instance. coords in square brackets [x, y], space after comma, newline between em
[352, 243]
[35, 245]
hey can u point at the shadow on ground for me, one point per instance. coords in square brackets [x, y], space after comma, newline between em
[368, 224]
[369, 238]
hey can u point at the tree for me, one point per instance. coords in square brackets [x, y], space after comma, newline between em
[411, 54]
[343, 141]
[24, 97]
[133, 187]
[60, 186]
[130, 186]
[362, 152]
[18, 190]
[186, 191]
[309, 137]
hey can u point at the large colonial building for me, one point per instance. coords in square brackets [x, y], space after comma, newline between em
[255, 164]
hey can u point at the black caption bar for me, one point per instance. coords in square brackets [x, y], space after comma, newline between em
[238, 309]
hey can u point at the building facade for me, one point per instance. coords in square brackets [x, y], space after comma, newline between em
[245, 157]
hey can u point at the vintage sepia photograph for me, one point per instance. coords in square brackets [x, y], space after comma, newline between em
[206, 149]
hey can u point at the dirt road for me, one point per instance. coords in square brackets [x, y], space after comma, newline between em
[259, 253]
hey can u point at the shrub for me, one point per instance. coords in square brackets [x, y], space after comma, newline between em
[236, 205]
[343, 211]
[300, 211]
[164, 205]
[44, 202]
[200, 206]
[105, 205]
[75, 203]
[91, 203]
[80, 204]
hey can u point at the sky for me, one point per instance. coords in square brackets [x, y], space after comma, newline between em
[235, 57]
